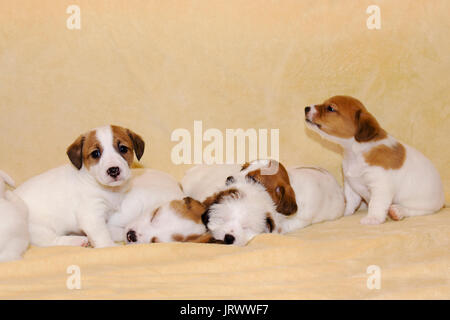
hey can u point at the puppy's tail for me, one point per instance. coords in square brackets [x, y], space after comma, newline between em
[5, 179]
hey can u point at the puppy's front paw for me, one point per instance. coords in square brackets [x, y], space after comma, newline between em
[371, 220]
[85, 242]
[348, 212]
[395, 212]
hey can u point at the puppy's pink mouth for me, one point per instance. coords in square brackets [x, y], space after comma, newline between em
[313, 123]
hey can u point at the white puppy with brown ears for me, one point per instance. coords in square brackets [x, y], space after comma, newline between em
[14, 236]
[71, 204]
[390, 176]
[155, 209]
[262, 196]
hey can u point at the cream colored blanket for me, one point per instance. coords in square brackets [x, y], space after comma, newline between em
[324, 261]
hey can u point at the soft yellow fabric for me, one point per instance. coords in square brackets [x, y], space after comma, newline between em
[323, 261]
[155, 66]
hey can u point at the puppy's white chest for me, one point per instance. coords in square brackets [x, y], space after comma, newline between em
[354, 168]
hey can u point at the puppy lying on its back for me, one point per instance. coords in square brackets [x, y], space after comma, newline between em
[14, 237]
[391, 177]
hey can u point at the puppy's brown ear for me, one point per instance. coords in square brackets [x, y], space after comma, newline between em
[218, 196]
[75, 152]
[138, 143]
[367, 127]
[286, 203]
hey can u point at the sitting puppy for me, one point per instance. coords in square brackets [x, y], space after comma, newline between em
[71, 204]
[391, 177]
[14, 236]
[175, 221]
[258, 199]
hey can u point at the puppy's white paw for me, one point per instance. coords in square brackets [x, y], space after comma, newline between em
[395, 212]
[80, 241]
[348, 213]
[371, 220]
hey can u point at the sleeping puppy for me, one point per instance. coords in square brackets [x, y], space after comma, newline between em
[201, 181]
[14, 236]
[390, 176]
[313, 190]
[149, 189]
[255, 202]
[70, 205]
[239, 212]
[175, 221]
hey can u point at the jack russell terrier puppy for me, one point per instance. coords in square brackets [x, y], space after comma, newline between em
[155, 209]
[255, 200]
[14, 236]
[390, 176]
[175, 221]
[70, 205]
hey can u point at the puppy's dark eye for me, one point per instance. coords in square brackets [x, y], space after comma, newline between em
[95, 154]
[331, 109]
[123, 149]
[251, 178]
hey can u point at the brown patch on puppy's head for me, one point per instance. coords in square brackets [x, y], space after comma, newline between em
[189, 208]
[85, 150]
[346, 117]
[278, 186]
[125, 141]
[216, 198]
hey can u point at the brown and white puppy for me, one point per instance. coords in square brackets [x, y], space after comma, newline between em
[201, 181]
[175, 221]
[250, 205]
[69, 205]
[390, 176]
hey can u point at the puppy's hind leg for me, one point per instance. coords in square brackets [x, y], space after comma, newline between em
[397, 212]
[77, 241]
[45, 237]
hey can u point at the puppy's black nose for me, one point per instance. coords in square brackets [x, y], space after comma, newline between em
[113, 171]
[131, 236]
[229, 239]
[307, 109]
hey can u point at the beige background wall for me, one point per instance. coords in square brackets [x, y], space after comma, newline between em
[155, 66]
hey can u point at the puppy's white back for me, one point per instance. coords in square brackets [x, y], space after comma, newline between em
[319, 197]
[202, 181]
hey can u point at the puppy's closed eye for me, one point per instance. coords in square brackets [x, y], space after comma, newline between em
[270, 224]
[230, 180]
